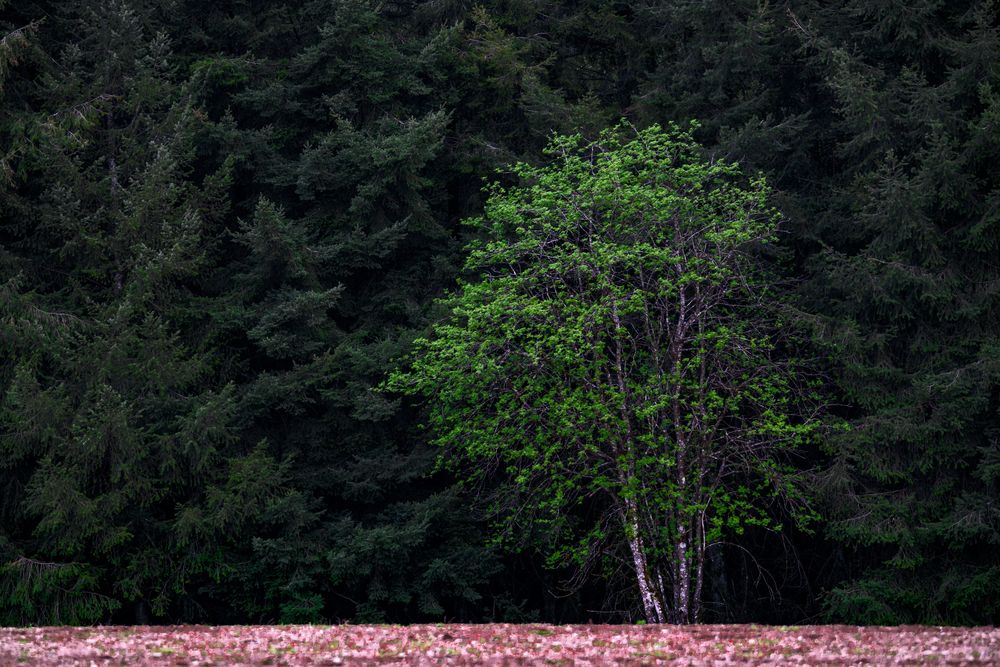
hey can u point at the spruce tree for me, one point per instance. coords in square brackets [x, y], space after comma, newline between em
[907, 278]
[342, 243]
[109, 423]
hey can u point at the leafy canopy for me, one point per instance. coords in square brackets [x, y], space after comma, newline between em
[615, 352]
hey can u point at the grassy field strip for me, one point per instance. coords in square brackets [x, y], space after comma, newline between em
[498, 644]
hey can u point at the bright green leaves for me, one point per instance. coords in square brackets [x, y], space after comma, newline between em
[613, 350]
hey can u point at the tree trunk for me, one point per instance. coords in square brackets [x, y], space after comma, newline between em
[699, 570]
[652, 602]
[682, 580]
[141, 612]
[682, 543]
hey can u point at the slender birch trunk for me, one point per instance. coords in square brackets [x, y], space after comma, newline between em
[682, 540]
[682, 584]
[699, 569]
[651, 598]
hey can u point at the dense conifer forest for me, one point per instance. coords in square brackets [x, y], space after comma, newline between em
[223, 226]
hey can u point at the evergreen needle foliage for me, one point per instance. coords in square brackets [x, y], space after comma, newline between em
[223, 224]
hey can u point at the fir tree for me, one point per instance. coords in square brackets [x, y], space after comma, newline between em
[909, 281]
[108, 418]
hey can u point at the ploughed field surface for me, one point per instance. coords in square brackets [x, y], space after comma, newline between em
[499, 644]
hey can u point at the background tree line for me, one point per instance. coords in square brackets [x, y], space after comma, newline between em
[221, 225]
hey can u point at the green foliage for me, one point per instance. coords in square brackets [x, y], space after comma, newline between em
[112, 423]
[222, 223]
[907, 285]
[613, 348]
[52, 593]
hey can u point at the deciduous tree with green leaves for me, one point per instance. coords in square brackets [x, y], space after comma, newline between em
[619, 362]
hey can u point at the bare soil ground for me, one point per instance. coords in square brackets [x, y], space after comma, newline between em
[499, 645]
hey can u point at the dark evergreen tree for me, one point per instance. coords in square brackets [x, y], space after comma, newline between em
[222, 224]
[110, 425]
[908, 278]
[335, 265]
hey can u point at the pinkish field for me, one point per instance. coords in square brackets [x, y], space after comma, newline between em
[499, 645]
